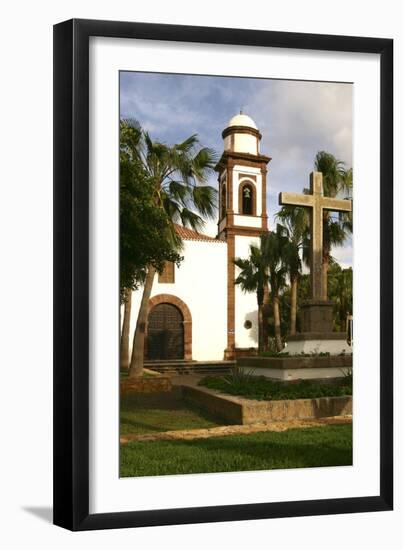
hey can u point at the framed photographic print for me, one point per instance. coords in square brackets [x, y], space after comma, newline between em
[223, 241]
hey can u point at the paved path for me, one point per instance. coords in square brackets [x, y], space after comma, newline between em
[235, 429]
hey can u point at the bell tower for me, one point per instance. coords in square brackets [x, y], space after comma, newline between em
[242, 172]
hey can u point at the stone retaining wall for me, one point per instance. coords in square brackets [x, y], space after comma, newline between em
[300, 362]
[153, 384]
[225, 409]
[238, 410]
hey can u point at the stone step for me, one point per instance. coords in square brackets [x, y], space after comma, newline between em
[190, 367]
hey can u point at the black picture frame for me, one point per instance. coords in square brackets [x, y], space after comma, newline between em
[71, 274]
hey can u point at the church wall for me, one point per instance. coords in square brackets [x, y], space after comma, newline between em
[245, 143]
[245, 303]
[247, 221]
[200, 282]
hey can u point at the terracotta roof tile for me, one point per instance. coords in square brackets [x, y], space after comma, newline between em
[190, 235]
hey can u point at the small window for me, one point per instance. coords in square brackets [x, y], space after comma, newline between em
[168, 273]
[247, 200]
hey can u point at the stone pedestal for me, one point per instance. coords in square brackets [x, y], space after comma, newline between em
[287, 368]
[315, 343]
[317, 316]
[317, 334]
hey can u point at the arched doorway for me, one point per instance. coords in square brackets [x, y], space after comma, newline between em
[178, 324]
[165, 338]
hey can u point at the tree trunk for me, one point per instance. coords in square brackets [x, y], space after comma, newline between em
[124, 339]
[325, 255]
[277, 326]
[259, 296]
[325, 267]
[261, 330]
[294, 292]
[266, 301]
[137, 361]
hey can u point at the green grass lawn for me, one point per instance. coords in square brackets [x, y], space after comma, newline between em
[298, 448]
[261, 388]
[147, 414]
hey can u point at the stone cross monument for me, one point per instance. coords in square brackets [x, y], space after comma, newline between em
[317, 313]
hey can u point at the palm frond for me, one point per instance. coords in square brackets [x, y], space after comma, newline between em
[187, 145]
[174, 238]
[178, 174]
[191, 219]
[332, 170]
[171, 207]
[203, 164]
[205, 200]
[178, 192]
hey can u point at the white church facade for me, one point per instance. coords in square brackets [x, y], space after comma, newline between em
[196, 311]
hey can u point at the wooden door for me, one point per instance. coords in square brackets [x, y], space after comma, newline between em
[165, 338]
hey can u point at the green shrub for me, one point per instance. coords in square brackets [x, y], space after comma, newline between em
[286, 354]
[264, 389]
[274, 354]
[347, 377]
[238, 376]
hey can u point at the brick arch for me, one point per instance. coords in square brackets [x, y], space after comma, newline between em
[244, 183]
[187, 318]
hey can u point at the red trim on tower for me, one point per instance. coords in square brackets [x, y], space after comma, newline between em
[229, 352]
[228, 160]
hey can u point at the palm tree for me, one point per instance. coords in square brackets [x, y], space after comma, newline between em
[179, 174]
[341, 293]
[336, 180]
[345, 296]
[276, 256]
[253, 277]
[124, 338]
[295, 222]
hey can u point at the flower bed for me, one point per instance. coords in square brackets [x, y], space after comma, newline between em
[264, 389]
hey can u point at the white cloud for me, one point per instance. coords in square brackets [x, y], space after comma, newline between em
[297, 119]
[343, 255]
[305, 116]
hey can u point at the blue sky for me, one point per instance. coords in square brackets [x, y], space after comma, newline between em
[296, 119]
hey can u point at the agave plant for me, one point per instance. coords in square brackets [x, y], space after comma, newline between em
[239, 376]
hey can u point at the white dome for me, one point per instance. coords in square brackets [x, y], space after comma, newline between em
[242, 120]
